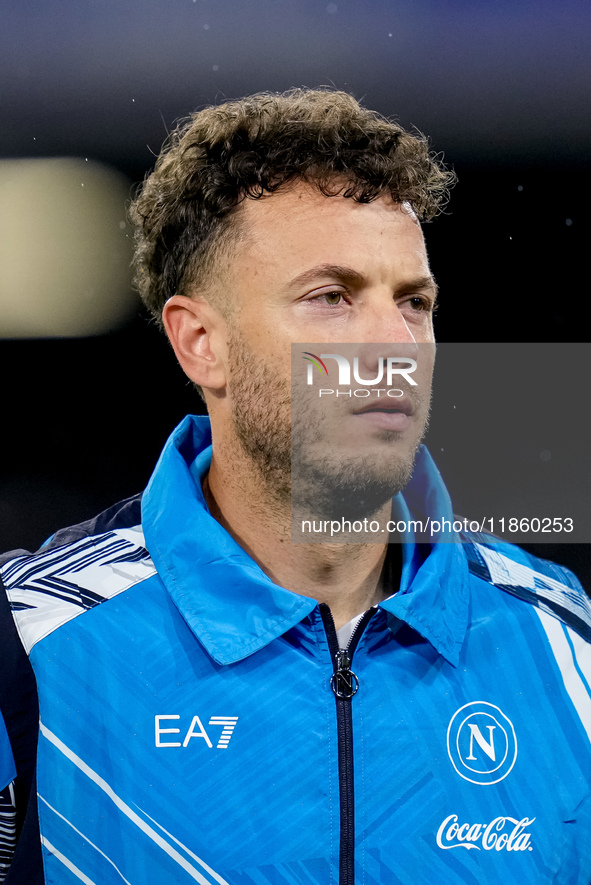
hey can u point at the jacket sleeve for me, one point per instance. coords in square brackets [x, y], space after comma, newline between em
[20, 852]
[7, 803]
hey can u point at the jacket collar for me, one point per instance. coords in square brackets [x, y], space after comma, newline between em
[434, 588]
[229, 603]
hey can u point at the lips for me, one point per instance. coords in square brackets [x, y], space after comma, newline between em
[400, 405]
[393, 415]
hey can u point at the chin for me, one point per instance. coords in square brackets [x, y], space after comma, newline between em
[354, 490]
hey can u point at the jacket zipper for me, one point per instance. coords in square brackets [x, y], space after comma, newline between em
[345, 684]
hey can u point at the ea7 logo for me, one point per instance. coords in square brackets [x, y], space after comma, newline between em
[481, 743]
[196, 730]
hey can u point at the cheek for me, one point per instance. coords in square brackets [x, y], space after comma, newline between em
[424, 372]
[427, 333]
[265, 334]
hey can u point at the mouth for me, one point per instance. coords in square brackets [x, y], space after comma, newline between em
[395, 415]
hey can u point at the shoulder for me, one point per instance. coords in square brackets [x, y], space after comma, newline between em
[549, 587]
[76, 569]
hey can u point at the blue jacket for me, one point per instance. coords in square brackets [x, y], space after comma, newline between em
[189, 731]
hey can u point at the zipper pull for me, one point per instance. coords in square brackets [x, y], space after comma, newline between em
[344, 682]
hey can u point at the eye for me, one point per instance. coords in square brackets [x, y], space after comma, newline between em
[420, 302]
[332, 298]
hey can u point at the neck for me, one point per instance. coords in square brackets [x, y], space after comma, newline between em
[346, 576]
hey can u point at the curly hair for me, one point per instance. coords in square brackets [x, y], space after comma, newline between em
[185, 212]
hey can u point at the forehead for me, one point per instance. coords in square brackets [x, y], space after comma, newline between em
[300, 224]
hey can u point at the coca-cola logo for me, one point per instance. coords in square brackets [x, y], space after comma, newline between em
[501, 834]
[481, 743]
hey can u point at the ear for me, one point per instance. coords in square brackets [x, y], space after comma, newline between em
[197, 333]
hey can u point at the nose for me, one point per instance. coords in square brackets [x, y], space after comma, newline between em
[388, 336]
[371, 357]
[389, 324]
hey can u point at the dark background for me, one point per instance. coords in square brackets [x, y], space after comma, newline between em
[502, 88]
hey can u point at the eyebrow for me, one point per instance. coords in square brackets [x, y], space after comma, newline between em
[351, 276]
[338, 271]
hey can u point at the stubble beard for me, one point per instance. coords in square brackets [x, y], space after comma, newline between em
[261, 410]
[280, 443]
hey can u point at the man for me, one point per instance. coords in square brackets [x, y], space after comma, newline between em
[199, 717]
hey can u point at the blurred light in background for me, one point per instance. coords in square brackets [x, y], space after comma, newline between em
[65, 249]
